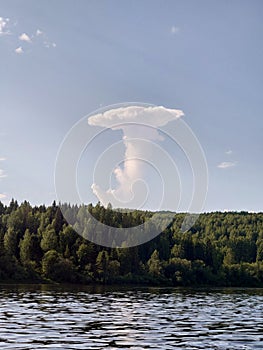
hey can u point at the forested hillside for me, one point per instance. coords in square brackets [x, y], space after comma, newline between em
[221, 249]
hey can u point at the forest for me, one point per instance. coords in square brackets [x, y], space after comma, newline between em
[37, 245]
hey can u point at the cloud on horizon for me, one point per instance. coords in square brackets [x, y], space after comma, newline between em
[226, 165]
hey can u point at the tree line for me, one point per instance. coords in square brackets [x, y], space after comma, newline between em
[38, 245]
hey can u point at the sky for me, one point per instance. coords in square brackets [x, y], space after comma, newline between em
[62, 60]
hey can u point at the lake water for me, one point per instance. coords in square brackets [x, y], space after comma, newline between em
[69, 317]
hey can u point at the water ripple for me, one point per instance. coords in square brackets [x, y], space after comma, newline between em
[48, 317]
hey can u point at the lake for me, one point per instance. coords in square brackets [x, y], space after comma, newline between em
[73, 317]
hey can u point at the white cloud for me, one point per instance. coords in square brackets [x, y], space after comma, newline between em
[2, 196]
[39, 32]
[155, 116]
[228, 152]
[2, 159]
[25, 37]
[48, 44]
[225, 165]
[175, 30]
[44, 39]
[2, 174]
[136, 122]
[19, 50]
[38, 36]
[3, 26]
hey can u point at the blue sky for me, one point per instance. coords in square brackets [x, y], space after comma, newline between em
[61, 60]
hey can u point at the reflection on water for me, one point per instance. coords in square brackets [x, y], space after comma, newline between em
[41, 317]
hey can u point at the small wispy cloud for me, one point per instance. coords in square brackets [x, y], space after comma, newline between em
[4, 26]
[228, 152]
[2, 159]
[19, 50]
[2, 196]
[38, 37]
[44, 38]
[39, 32]
[2, 174]
[25, 37]
[225, 165]
[175, 30]
[48, 44]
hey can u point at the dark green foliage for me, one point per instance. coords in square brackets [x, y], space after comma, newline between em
[154, 264]
[37, 244]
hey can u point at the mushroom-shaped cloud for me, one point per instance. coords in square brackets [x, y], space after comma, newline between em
[154, 116]
[137, 123]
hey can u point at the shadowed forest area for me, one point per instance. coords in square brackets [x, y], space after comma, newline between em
[221, 249]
